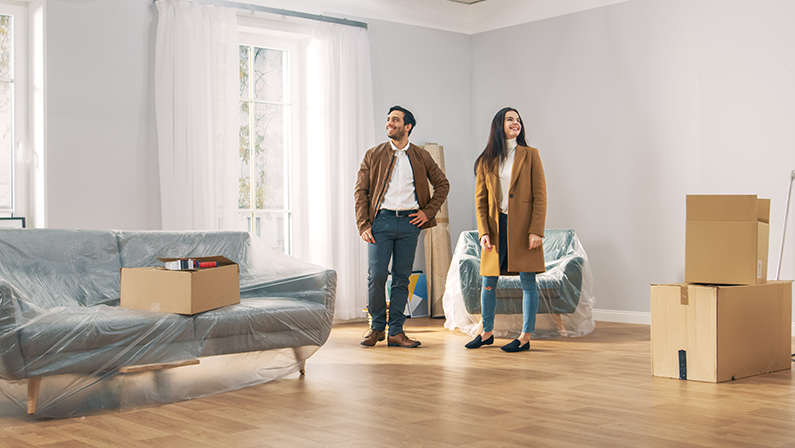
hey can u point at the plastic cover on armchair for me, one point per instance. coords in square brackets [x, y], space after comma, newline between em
[565, 290]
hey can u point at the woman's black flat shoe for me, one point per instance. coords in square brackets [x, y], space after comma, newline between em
[478, 341]
[515, 346]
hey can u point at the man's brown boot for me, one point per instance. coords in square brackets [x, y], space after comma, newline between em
[373, 336]
[401, 340]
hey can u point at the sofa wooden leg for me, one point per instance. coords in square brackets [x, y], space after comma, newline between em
[558, 318]
[300, 359]
[33, 394]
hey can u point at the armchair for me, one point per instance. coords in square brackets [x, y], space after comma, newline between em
[565, 296]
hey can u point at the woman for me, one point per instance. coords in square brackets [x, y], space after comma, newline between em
[511, 202]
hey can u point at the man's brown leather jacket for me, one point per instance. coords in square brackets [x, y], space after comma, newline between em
[375, 173]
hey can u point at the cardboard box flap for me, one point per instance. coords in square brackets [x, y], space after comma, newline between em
[222, 261]
[763, 210]
[726, 208]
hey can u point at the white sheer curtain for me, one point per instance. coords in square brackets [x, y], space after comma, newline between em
[340, 130]
[196, 100]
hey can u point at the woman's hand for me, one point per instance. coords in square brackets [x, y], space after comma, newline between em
[535, 241]
[485, 243]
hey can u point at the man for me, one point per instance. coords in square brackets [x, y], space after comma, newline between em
[393, 203]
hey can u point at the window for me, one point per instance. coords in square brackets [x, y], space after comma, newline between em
[7, 156]
[266, 142]
[15, 158]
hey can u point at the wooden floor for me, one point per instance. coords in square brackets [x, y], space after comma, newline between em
[591, 391]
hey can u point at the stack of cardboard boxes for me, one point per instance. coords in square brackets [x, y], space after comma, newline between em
[727, 321]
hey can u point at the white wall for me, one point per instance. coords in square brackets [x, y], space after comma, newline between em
[637, 104]
[101, 150]
[747, 99]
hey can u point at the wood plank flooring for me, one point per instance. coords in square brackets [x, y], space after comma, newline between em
[591, 391]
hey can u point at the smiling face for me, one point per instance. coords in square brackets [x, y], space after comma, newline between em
[512, 125]
[395, 128]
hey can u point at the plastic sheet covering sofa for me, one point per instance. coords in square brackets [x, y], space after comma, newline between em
[565, 290]
[67, 348]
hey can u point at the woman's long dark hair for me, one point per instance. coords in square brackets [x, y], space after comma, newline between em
[496, 151]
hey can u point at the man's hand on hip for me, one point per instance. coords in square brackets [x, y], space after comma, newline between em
[419, 218]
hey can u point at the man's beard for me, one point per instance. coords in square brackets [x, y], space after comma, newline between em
[398, 134]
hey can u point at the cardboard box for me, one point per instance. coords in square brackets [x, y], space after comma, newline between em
[726, 239]
[182, 292]
[720, 333]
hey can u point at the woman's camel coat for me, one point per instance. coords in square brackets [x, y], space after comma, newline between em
[527, 210]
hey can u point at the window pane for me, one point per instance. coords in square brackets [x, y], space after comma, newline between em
[271, 227]
[244, 57]
[244, 192]
[244, 222]
[5, 46]
[269, 75]
[6, 146]
[269, 155]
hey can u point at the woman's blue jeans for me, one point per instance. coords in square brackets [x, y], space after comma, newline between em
[488, 301]
[488, 294]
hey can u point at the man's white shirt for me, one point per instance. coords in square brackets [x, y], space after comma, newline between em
[400, 194]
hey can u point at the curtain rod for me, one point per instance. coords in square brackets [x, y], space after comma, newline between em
[284, 12]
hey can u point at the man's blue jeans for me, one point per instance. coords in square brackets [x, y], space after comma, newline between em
[396, 239]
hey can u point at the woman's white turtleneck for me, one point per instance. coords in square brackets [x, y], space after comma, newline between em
[505, 174]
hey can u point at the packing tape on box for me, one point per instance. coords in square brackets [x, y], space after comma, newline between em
[682, 365]
[684, 295]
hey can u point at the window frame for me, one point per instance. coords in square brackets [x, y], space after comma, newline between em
[20, 151]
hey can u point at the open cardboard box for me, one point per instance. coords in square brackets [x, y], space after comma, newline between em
[726, 241]
[182, 292]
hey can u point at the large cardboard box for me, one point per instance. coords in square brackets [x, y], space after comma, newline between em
[726, 239]
[720, 333]
[181, 292]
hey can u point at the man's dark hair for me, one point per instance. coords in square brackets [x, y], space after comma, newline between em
[408, 117]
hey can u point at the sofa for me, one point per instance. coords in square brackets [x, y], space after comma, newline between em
[62, 327]
[565, 299]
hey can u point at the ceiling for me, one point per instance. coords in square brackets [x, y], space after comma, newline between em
[459, 16]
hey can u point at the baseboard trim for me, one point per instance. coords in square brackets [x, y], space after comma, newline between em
[632, 317]
[624, 317]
